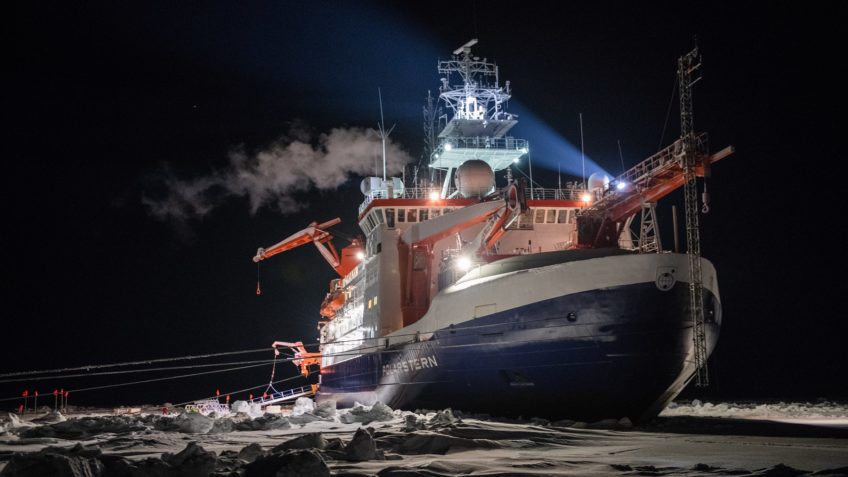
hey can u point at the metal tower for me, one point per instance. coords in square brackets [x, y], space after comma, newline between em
[686, 66]
[649, 234]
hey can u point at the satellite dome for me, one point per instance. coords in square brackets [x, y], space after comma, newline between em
[474, 178]
[598, 180]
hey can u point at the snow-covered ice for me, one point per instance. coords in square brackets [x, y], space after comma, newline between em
[689, 439]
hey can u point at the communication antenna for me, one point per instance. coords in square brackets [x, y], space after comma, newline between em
[559, 175]
[383, 133]
[582, 153]
[620, 155]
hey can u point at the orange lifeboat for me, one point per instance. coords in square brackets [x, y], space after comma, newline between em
[334, 300]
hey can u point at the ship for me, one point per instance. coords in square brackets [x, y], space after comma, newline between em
[482, 292]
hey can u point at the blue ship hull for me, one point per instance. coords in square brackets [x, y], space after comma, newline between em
[607, 353]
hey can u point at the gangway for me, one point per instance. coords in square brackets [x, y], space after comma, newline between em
[285, 396]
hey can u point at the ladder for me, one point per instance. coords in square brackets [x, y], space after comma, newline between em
[286, 396]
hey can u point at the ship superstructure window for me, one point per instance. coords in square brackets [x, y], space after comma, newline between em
[540, 216]
[401, 216]
[562, 216]
[411, 215]
[424, 214]
[551, 216]
[434, 213]
[524, 222]
[390, 218]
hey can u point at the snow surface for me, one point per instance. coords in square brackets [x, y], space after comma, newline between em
[689, 439]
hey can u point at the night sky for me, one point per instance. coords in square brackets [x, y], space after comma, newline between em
[105, 101]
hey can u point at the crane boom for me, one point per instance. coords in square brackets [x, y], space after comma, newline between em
[315, 233]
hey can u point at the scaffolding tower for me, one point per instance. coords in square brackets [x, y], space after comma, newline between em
[687, 66]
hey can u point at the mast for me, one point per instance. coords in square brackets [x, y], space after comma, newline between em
[478, 127]
[686, 66]
[382, 133]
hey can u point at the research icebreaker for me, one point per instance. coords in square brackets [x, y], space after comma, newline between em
[476, 291]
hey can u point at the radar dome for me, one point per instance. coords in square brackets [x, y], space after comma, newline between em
[598, 180]
[474, 178]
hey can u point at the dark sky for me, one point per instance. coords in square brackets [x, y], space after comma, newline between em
[103, 97]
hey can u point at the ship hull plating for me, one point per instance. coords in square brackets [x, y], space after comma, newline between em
[622, 351]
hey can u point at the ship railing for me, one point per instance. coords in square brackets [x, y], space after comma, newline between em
[664, 159]
[286, 395]
[408, 193]
[538, 193]
[541, 193]
[486, 142]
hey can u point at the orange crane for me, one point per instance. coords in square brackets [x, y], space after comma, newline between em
[317, 233]
[302, 358]
[601, 222]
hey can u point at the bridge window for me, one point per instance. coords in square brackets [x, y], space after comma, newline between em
[411, 215]
[562, 216]
[401, 215]
[434, 213]
[551, 216]
[390, 218]
[540, 216]
[424, 214]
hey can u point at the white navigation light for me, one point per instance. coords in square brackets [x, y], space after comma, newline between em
[463, 263]
[448, 146]
[524, 150]
[515, 160]
[360, 255]
[587, 197]
[621, 185]
[434, 195]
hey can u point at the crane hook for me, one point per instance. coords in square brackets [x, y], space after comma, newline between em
[705, 198]
[258, 287]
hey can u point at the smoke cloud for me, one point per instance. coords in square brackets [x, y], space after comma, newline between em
[275, 175]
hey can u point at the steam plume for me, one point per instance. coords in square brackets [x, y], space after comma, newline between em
[274, 176]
